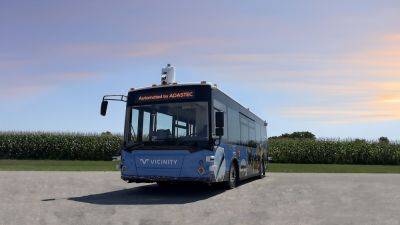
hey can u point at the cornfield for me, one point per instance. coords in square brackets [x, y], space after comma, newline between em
[329, 151]
[58, 146]
[75, 146]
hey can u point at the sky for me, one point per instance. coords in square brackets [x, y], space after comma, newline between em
[329, 67]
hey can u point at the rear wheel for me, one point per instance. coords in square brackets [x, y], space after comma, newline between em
[261, 171]
[164, 184]
[233, 177]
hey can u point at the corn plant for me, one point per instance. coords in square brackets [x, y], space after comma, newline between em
[285, 150]
[58, 146]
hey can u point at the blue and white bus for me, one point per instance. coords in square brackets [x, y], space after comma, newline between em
[189, 132]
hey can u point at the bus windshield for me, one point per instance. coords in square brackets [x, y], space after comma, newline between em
[183, 123]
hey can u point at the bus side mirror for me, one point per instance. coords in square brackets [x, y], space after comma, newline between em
[219, 124]
[103, 110]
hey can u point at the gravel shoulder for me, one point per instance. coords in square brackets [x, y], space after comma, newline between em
[279, 198]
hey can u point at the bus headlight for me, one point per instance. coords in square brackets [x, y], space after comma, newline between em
[210, 158]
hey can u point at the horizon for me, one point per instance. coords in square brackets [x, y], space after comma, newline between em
[331, 68]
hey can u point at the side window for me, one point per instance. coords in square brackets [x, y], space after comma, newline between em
[181, 129]
[220, 107]
[248, 134]
[252, 131]
[263, 133]
[258, 133]
[233, 126]
[244, 130]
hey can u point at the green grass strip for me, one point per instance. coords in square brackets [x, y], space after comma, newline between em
[56, 165]
[61, 165]
[332, 168]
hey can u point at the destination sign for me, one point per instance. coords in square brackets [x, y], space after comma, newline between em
[167, 96]
[170, 94]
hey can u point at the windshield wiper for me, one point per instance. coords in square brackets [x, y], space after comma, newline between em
[133, 146]
[133, 134]
[185, 142]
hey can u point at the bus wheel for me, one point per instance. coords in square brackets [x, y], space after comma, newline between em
[233, 177]
[164, 184]
[261, 171]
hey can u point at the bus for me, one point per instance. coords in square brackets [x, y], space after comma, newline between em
[189, 132]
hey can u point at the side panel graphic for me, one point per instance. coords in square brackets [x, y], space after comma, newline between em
[219, 164]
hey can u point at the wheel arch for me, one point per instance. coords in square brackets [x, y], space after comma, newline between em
[235, 161]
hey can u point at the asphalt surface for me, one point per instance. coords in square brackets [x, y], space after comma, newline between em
[102, 198]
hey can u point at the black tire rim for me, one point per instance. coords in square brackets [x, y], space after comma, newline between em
[262, 169]
[232, 176]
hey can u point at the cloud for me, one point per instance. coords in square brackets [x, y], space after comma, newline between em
[13, 63]
[138, 49]
[12, 92]
[370, 113]
[383, 105]
[339, 116]
[391, 37]
[358, 82]
[75, 76]
[115, 50]
[356, 86]
[387, 58]
[18, 75]
[13, 87]
[380, 103]
[267, 57]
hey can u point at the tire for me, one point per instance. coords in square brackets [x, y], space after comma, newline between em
[261, 172]
[233, 179]
[164, 184]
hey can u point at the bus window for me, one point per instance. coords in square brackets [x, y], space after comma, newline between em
[164, 126]
[146, 126]
[258, 131]
[181, 129]
[263, 133]
[244, 130]
[134, 125]
[233, 126]
[220, 107]
[252, 134]
[171, 123]
[252, 130]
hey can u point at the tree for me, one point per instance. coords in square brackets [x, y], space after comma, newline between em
[106, 133]
[296, 135]
[384, 140]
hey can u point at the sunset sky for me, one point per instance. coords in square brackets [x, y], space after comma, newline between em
[329, 67]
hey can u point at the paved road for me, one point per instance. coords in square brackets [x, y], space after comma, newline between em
[102, 198]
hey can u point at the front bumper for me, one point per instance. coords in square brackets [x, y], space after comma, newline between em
[151, 179]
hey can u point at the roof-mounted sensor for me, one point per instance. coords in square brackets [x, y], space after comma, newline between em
[168, 75]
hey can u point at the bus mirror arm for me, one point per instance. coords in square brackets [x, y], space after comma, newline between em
[106, 98]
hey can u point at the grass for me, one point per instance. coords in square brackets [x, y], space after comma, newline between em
[56, 165]
[332, 168]
[60, 165]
